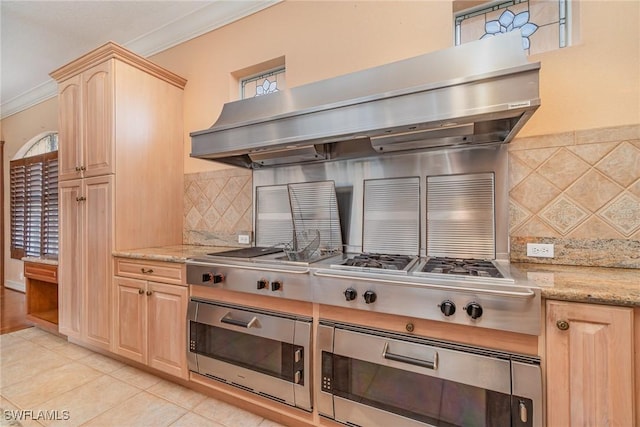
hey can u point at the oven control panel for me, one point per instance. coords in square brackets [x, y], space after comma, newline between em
[283, 282]
[513, 309]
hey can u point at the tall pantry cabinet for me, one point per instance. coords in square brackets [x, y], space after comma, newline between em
[120, 177]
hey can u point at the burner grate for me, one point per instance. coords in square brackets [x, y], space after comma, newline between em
[379, 261]
[466, 267]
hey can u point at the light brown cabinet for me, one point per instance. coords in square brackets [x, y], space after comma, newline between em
[151, 316]
[41, 282]
[85, 210]
[86, 106]
[120, 177]
[589, 365]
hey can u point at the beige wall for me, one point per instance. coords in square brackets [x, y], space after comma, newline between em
[17, 130]
[592, 84]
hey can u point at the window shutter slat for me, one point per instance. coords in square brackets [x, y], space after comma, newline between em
[34, 206]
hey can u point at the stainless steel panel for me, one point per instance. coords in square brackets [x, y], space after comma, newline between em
[349, 176]
[255, 381]
[263, 325]
[302, 337]
[488, 83]
[314, 206]
[508, 308]
[244, 276]
[461, 216]
[391, 223]
[527, 382]
[465, 368]
[273, 223]
[357, 414]
[324, 339]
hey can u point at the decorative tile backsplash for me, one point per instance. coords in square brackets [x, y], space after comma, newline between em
[579, 191]
[217, 205]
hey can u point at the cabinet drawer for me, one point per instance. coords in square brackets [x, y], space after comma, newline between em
[166, 272]
[44, 272]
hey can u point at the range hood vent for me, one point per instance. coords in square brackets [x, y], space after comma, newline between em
[478, 93]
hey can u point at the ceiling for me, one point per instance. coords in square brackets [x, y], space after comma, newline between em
[37, 37]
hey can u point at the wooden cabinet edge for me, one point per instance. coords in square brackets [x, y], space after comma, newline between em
[111, 50]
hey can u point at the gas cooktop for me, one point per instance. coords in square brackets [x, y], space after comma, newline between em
[383, 263]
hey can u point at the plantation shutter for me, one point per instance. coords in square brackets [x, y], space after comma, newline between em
[34, 206]
[17, 171]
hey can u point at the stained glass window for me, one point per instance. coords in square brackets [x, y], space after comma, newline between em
[543, 23]
[263, 83]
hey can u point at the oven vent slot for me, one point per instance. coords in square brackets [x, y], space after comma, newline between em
[243, 387]
[391, 218]
[461, 216]
[273, 397]
[213, 377]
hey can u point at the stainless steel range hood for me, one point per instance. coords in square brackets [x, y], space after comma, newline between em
[481, 92]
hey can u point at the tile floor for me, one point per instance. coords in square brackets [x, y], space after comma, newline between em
[77, 387]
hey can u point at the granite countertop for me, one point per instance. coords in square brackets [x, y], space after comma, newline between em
[616, 286]
[176, 253]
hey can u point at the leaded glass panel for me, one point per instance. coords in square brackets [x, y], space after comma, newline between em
[543, 23]
[263, 84]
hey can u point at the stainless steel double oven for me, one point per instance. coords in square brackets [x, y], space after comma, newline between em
[374, 378]
[260, 351]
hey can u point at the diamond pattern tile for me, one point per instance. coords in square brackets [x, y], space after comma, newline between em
[622, 164]
[593, 153]
[563, 168]
[517, 215]
[593, 190]
[534, 193]
[563, 214]
[623, 214]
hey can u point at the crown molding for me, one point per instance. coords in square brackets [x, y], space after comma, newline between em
[208, 18]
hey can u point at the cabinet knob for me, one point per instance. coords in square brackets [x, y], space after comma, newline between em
[146, 271]
[141, 291]
[563, 325]
[80, 168]
[149, 293]
[81, 199]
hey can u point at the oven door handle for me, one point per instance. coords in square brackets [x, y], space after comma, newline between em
[235, 322]
[429, 364]
[526, 293]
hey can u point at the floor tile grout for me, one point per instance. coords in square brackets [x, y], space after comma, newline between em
[181, 407]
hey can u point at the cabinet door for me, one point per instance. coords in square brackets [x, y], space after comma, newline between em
[589, 365]
[98, 243]
[70, 259]
[131, 318]
[97, 121]
[167, 328]
[70, 129]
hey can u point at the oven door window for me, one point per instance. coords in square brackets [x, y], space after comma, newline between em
[431, 400]
[268, 356]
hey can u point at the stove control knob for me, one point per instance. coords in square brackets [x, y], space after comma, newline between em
[350, 294]
[447, 308]
[276, 285]
[212, 277]
[370, 297]
[262, 283]
[474, 310]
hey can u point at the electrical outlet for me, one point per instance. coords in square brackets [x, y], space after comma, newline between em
[541, 250]
[244, 239]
